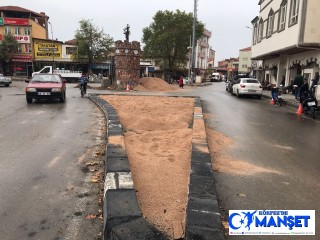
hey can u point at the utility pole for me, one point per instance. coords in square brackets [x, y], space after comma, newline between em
[194, 40]
[52, 47]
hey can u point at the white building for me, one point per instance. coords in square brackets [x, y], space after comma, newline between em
[286, 39]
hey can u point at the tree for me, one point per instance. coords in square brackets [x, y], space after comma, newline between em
[8, 47]
[167, 39]
[93, 44]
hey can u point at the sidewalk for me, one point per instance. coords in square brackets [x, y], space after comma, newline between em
[288, 98]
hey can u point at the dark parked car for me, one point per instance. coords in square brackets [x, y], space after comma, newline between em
[6, 81]
[46, 86]
[230, 83]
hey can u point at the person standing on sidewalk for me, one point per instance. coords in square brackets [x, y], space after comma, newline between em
[298, 81]
[315, 81]
[181, 82]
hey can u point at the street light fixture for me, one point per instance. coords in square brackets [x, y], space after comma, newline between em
[52, 47]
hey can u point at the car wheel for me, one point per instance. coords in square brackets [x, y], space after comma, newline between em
[6, 85]
[29, 100]
[63, 97]
[259, 96]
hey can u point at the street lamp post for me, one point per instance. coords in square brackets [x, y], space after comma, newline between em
[52, 46]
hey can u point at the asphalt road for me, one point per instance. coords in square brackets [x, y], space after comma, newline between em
[45, 187]
[278, 152]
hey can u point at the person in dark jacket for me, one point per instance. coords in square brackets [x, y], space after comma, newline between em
[83, 80]
[181, 82]
[298, 81]
[315, 81]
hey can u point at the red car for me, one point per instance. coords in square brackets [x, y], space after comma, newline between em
[46, 86]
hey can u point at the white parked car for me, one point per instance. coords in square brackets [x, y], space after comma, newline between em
[247, 86]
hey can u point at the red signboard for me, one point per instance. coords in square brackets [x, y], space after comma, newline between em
[21, 58]
[16, 21]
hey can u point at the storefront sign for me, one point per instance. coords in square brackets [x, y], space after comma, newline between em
[16, 21]
[21, 58]
[44, 49]
[22, 38]
[1, 21]
[99, 66]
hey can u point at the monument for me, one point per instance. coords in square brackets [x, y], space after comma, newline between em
[127, 60]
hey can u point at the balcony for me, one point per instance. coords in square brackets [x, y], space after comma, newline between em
[207, 33]
[204, 44]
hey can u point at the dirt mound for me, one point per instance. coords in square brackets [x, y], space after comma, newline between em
[154, 84]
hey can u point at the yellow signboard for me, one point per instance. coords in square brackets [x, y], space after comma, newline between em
[44, 49]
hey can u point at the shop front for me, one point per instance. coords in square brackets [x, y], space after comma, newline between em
[22, 65]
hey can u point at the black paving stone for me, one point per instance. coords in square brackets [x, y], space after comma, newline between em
[137, 229]
[121, 203]
[206, 220]
[201, 168]
[202, 187]
[197, 156]
[117, 164]
[118, 152]
[203, 234]
[209, 205]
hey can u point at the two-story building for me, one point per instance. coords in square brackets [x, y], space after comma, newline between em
[286, 39]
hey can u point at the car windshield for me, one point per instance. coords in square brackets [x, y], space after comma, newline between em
[250, 81]
[46, 78]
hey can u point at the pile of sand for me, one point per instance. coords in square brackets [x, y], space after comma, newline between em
[154, 84]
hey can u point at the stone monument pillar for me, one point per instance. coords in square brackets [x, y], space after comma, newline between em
[127, 61]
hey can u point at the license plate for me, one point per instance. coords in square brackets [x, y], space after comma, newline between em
[280, 96]
[251, 90]
[311, 103]
[44, 93]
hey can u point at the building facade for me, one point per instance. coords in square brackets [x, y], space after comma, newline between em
[286, 40]
[24, 25]
[244, 60]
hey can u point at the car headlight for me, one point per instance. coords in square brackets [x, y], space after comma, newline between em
[31, 89]
[56, 90]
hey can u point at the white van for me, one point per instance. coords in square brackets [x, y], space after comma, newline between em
[215, 77]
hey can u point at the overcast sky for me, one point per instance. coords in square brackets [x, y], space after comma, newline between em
[226, 19]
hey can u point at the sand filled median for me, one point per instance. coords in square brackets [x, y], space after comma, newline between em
[158, 134]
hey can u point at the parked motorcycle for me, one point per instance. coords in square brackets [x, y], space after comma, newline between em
[309, 103]
[277, 95]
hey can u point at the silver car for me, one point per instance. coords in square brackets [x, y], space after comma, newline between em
[6, 81]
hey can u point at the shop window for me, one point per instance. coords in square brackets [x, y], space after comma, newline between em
[19, 48]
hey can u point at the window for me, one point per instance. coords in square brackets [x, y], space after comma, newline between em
[17, 31]
[270, 23]
[71, 50]
[26, 31]
[255, 33]
[28, 48]
[244, 66]
[7, 30]
[19, 48]
[260, 31]
[283, 13]
[294, 11]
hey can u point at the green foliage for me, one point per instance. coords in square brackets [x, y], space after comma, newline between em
[93, 44]
[8, 47]
[167, 39]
